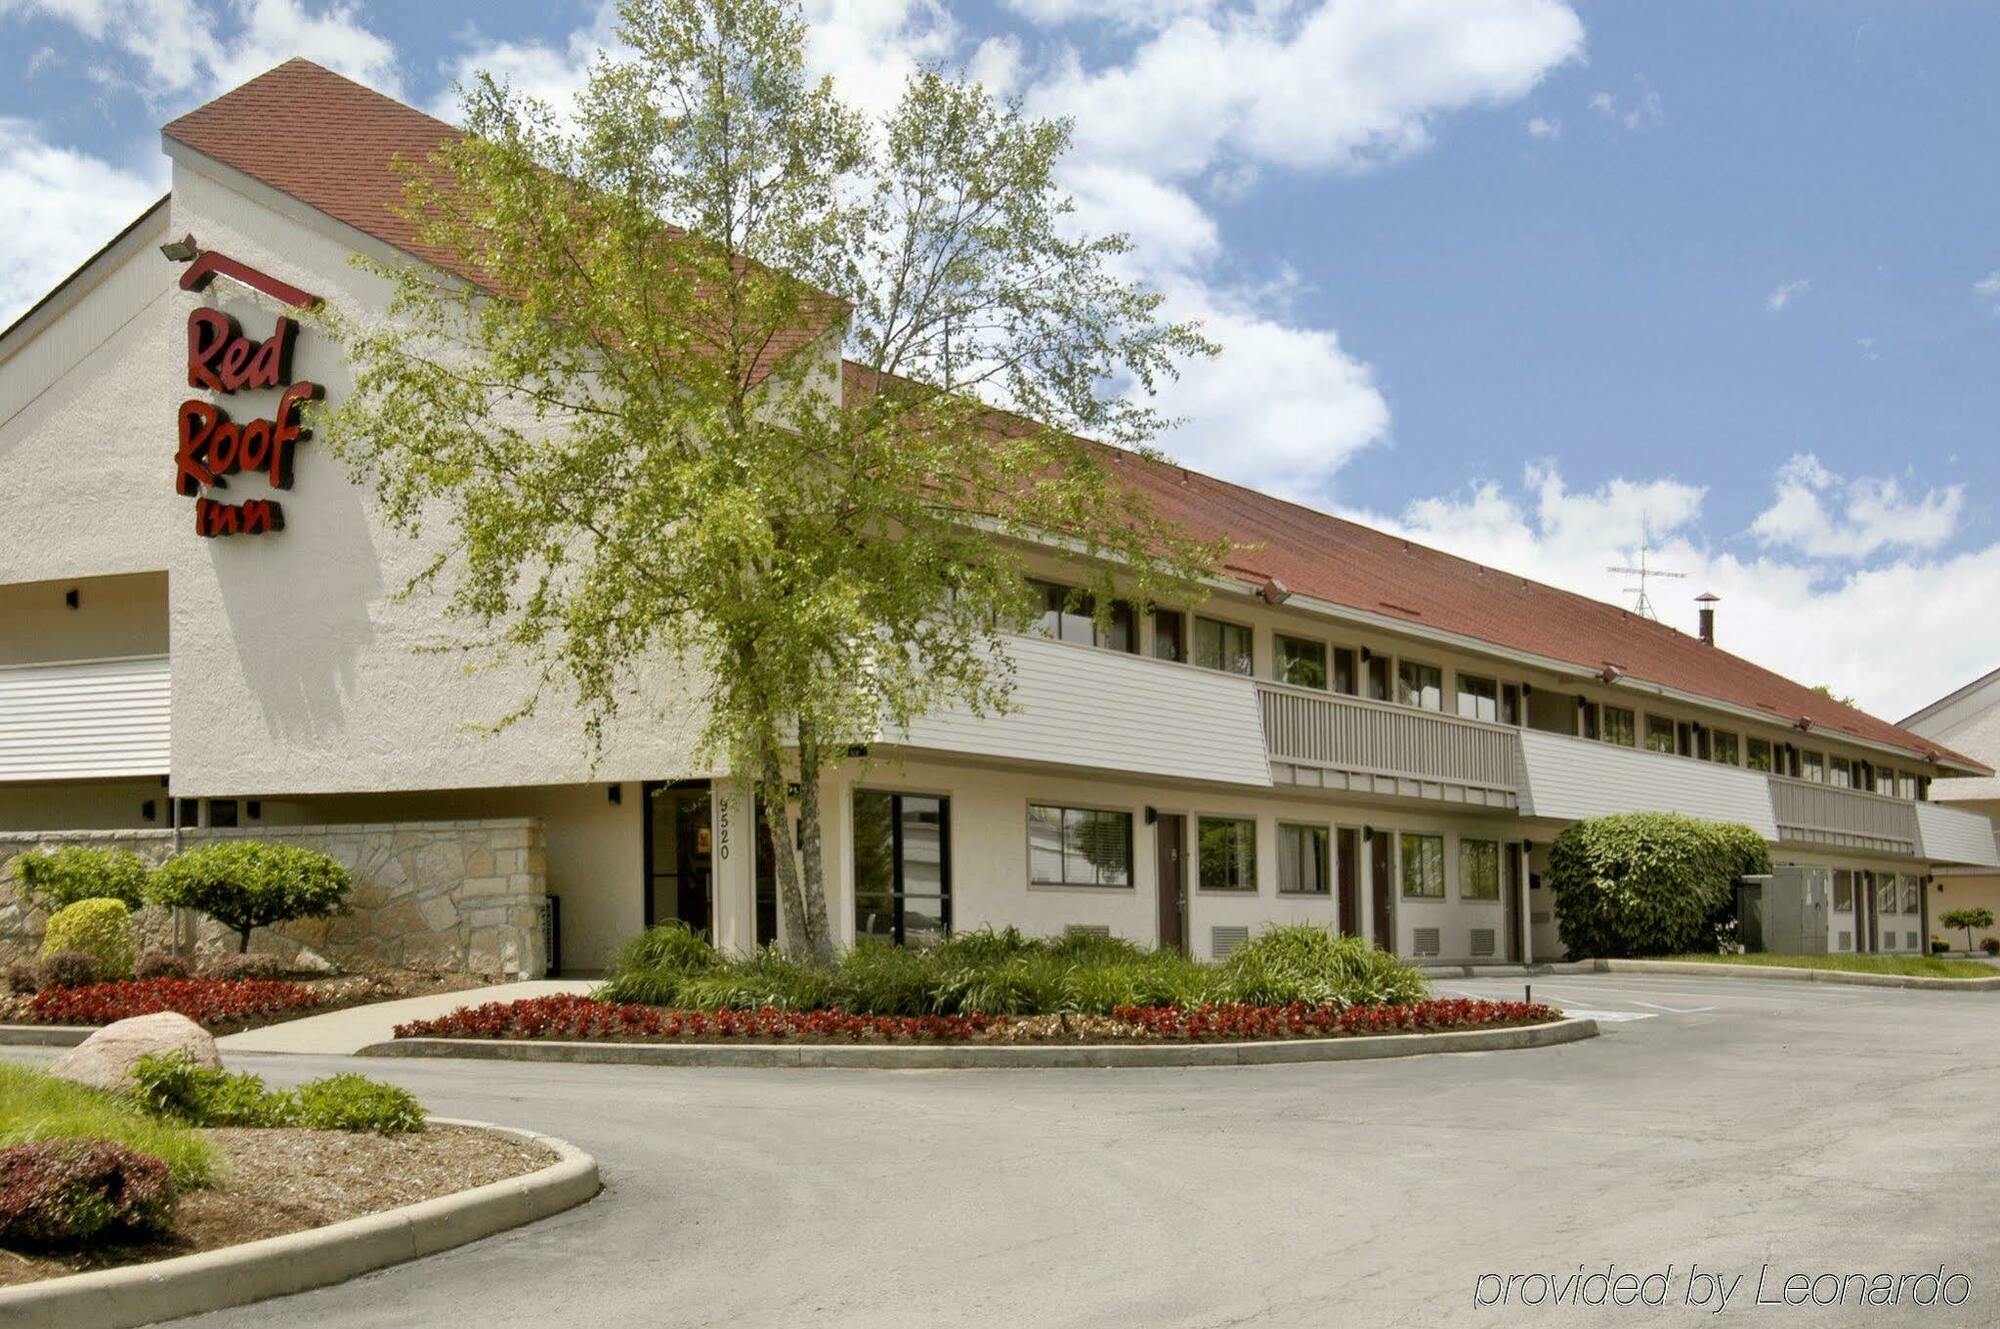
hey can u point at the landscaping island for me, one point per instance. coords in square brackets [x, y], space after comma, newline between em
[1898, 966]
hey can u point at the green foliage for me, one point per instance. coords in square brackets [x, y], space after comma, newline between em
[712, 210]
[36, 1106]
[349, 1102]
[1003, 972]
[1966, 920]
[101, 929]
[246, 884]
[68, 969]
[1648, 883]
[171, 1086]
[672, 945]
[54, 879]
[68, 1193]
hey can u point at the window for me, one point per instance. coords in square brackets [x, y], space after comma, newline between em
[1301, 662]
[1478, 698]
[1378, 677]
[1812, 766]
[1079, 846]
[1840, 773]
[902, 867]
[1906, 786]
[1843, 891]
[1912, 895]
[1302, 860]
[1659, 734]
[1723, 749]
[1758, 754]
[1620, 726]
[1887, 897]
[1345, 677]
[1420, 685]
[1423, 867]
[1068, 615]
[1227, 849]
[222, 812]
[1170, 635]
[1478, 870]
[1224, 646]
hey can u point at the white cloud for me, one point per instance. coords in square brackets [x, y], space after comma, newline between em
[182, 48]
[1542, 126]
[63, 205]
[1824, 515]
[1123, 13]
[1783, 611]
[550, 72]
[1643, 111]
[1785, 294]
[1988, 288]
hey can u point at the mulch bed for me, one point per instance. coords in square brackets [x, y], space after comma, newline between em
[227, 1006]
[279, 1181]
[574, 1018]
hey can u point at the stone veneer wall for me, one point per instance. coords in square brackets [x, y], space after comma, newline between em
[449, 896]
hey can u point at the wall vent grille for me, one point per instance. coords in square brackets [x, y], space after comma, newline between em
[1087, 930]
[1910, 941]
[1483, 942]
[1847, 941]
[1539, 917]
[1426, 941]
[1224, 941]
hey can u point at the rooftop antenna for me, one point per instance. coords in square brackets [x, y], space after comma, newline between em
[1643, 606]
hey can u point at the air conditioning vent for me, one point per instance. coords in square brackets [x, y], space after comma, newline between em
[1847, 941]
[1224, 941]
[1425, 941]
[1087, 930]
[1539, 917]
[1482, 942]
[1910, 941]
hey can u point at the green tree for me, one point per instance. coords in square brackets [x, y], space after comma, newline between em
[1967, 920]
[735, 406]
[245, 884]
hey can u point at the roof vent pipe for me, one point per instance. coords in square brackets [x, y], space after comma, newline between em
[1708, 600]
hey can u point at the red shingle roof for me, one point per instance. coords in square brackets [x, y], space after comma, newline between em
[329, 142]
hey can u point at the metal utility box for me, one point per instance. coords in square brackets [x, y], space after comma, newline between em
[1784, 913]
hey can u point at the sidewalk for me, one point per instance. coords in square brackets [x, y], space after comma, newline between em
[342, 1033]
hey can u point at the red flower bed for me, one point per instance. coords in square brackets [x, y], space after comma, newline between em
[206, 1001]
[571, 1017]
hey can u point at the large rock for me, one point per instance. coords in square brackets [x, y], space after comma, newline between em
[105, 1059]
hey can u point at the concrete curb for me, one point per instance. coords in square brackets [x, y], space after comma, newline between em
[278, 1266]
[1537, 969]
[1012, 1057]
[45, 1035]
[1795, 975]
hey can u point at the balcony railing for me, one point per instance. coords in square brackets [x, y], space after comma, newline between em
[1339, 742]
[1846, 818]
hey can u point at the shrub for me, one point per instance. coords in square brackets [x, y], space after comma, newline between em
[69, 1192]
[242, 968]
[68, 969]
[155, 964]
[169, 1084]
[21, 978]
[246, 884]
[1648, 883]
[206, 1001]
[674, 946]
[349, 1102]
[98, 928]
[35, 1107]
[1313, 966]
[55, 879]
[1991, 945]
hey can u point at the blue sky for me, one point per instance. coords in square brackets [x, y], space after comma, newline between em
[1510, 276]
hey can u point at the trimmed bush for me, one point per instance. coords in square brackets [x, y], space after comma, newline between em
[101, 929]
[245, 968]
[246, 884]
[67, 969]
[154, 964]
[21, 978]
[1991, 945]
[70, 1192]
[349, 1102]
[1648, 883]
[54, 879]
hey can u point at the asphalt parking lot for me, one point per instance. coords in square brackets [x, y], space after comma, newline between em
[1721, 1125]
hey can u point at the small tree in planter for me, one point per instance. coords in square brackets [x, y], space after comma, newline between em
[245, 884]
[55, 879]
[1967, 920]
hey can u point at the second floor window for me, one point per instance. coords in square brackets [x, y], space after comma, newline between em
[1420, 685]
[1478, 870]
[1757, 755]
[1224, 646]
[1659, 734]
[1301, 662]
[1069, 615]
[1840, 773]
[1423, 867]
[1478, 698]
[1170, 635]
[1723, 747]
[1812, 766]
[1620, 726]
[1345, 677]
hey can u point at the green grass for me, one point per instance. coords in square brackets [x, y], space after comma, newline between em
[35, 1106]
[1902, 966]
[1003, 972]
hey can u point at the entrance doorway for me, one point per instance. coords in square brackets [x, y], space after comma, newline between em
[902, 867]
[680, 854]
[1381, 881]
[1170, 835]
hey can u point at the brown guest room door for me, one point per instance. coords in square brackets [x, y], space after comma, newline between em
[1171, 837]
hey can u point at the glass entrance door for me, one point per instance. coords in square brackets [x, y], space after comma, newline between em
[680, 847]
[902, 867]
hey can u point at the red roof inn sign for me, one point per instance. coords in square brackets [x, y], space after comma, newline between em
[221, 359]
